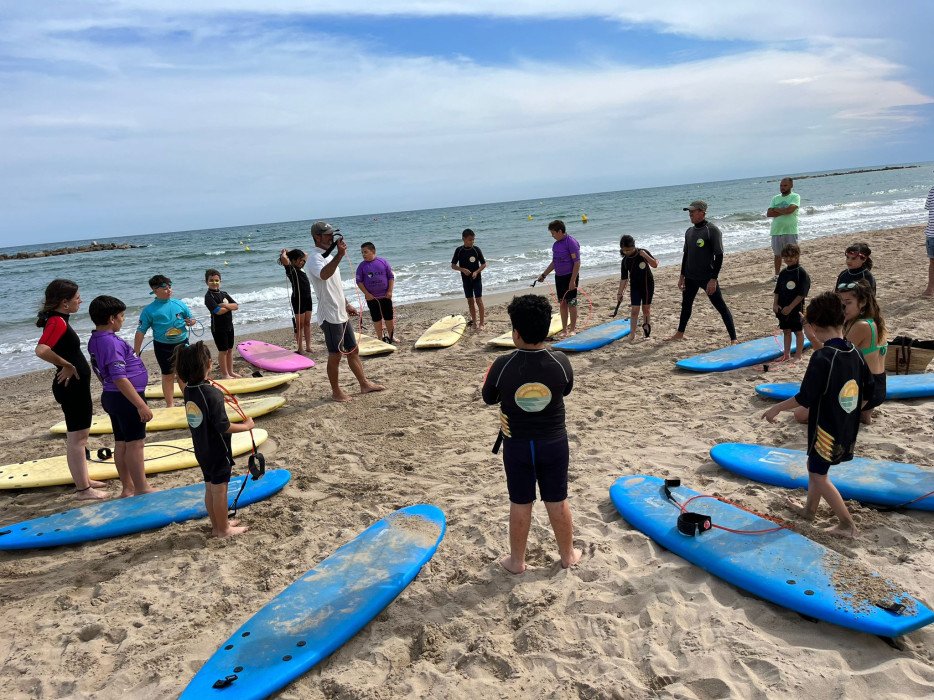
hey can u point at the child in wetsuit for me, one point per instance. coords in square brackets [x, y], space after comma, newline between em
[169, 319]
[293, 261]
[530, 385]
[858, 266]
[791, 289]
[375, 279]
[124, 377]
[469, 261]
[210, 433]
[835, 385]
[221, 307]
[636, 269]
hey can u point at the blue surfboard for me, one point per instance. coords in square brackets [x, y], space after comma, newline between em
[328, 605]
[898, 387]
[595, 337]
[124, 516]
[866, 480]
[752, 352]
[782, 567]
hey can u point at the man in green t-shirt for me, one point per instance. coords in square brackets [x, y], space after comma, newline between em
[784, 215]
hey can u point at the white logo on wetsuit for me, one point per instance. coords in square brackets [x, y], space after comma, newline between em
[642, 265]
[790, 284]
[472, 259]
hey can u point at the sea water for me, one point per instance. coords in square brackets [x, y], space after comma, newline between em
[419, 245]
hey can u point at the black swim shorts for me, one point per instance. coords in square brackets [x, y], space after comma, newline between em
[380, 309]
[543, 461]
[640, 294]
[124, 417]
[75, 400]
[791, 322]
[473, 288]
[165, 355]
[562, 282]
[223, 338]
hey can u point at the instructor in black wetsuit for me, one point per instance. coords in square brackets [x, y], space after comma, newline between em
[700, 266]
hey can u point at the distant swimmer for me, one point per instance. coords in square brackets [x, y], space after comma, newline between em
[700, 266]
[530, 384]
[469, 261]
[783, 211]
[566, 262]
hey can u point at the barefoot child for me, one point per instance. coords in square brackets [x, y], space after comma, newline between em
[210, 433]
[636, 267]
[221, 307]
[375, 279]
[124, 377]
[791, 289]
[469, 261]
[835, 383]
[530, 385]
[169, 319]
[293, 261]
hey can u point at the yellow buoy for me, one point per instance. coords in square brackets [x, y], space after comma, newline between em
[246, 248]
[583, 218]
[530, 217]
[226, 263]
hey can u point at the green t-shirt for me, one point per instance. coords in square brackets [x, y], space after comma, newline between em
[786, 225]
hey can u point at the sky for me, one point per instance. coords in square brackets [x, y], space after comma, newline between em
[127, 117]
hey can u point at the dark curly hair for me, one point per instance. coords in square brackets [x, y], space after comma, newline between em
[531, 317]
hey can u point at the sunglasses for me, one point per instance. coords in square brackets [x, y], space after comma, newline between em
[164, 285]
[854, 256]
[844, 286]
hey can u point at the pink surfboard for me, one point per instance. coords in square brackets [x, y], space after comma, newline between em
[272, 357]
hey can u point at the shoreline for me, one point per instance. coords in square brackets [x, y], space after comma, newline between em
[136, 616]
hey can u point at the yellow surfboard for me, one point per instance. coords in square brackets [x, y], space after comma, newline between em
[505, 340]
[443, 333]
[159, 457]
[373, 346]
[174, 418]
[242, 385]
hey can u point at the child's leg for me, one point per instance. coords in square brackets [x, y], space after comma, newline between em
[809, 510]
[572, 317]
[826, 489]
[787, 344]
[297, 325]
[481, 310]
[120, 462]
[222, 363]
[75, 442]
[563, 310]
[136, 467]
[306, 330]
[633, 322]
[378, 326]
[799, 340]
[520, 522]
[391, 328]
[217, 511]
[168, 389]
[473, 310]
[561, 522]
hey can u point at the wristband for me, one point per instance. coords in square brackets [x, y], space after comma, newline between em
[216, 309]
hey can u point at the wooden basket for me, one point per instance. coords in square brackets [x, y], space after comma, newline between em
[904, 356]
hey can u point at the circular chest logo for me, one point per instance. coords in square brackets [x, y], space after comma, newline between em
[790, 284]
[700, 242]
[533, 397]
[849, 396]
[193, 414]
[472, 259]
[642, 265]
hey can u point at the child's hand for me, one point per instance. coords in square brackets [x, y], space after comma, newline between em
[475, 273]
[190, 321]
[776, 308]
[786, 311]
[248, 422]
[619, 297]
[771, 414]
[368, 296]
[145, 413]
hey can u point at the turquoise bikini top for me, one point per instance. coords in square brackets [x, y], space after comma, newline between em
[872, 342]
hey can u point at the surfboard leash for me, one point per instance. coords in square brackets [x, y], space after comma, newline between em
[692, 524]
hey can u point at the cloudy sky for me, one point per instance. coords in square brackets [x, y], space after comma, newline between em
[137, 116]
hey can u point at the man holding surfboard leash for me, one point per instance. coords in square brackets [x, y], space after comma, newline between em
[333, 312]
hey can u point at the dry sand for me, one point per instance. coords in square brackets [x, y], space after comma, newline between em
[135, 617]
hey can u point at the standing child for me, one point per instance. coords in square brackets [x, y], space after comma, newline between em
[858, 266]
[469, 261]
[293, 261]
[376, 280]
[210, 433]
[124, 377]
[530, 385]
[791, 289]
[834, 386]
[169, 319]
[221, 307]
[636, 267]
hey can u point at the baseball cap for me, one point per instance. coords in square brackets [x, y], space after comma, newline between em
[321, 228]
[696, 204]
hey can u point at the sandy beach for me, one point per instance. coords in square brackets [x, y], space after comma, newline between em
[136, 617]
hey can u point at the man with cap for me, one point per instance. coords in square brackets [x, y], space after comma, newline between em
[700, 265]
[333, 312]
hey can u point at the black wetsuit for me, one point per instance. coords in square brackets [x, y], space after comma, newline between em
[700, 263]
[222, 328]
[641, 280]
[301, 289]
[835, 383]
[792, 282]
[208, 422]
[862, 273]
[470, 259]
[75, 397]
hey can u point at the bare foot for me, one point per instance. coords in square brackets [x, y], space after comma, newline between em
[126, 494]
[229, 532]
[676, 336]
[575, 557]
[841, 530]
[227, 376]
[148, 489]
[511, 566]
[340, 397]
[94, 484]
[236, 376]
[928, 293]
[798, 509]
[370, 387]
[233, 522]
[785, 358]
[865, 417]
[91, 494]
[734, 342]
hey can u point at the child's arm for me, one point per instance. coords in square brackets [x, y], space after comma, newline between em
[647, 256]
[482, 267]
[786, 405]
[775, 307]
[242, 427]
[229, 305]
[284, 259]
[551, 266]
[489, 391]
[366, 294]
[126, 388]
[791, 307]
[392, 285]
[622, 288]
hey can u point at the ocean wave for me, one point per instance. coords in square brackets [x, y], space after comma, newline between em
[742, 216]
[216, 252]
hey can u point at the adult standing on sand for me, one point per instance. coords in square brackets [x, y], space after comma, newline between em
[333, 312]
[783, 211]
[700, 266]
[566, 262]
[929, 237]
[60, 346]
